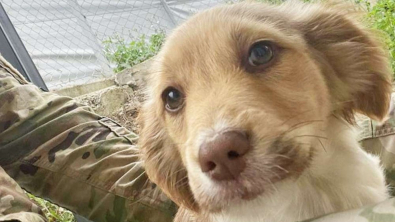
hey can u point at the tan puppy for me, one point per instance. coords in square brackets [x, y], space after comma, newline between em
[249, 110]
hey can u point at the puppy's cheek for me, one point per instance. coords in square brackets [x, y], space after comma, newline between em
[201, 185]
[308, 137]
[310, 132]
[197, 180]
[191, 161]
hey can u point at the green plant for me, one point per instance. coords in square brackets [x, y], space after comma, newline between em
[126, 55]
[52, 212]
[382, 17]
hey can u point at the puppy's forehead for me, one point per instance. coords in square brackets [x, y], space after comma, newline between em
[217, 38]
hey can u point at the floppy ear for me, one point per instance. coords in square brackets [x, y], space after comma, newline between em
[161, 158]
[352, 58]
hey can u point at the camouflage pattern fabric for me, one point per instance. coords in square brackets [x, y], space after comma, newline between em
[62, 151]
[379, 139]
[383, 212]
[14, 204]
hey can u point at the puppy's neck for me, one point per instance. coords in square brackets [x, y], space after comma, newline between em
[341, 176]
[339, 135]
[341, 173]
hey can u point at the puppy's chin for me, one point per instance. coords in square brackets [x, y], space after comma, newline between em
[283, 160]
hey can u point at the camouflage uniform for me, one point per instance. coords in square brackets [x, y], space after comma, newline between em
[62, 151]
[379, 139]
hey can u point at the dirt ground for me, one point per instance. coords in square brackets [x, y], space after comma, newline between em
[122, 101]
[127, 115]
[122, 104]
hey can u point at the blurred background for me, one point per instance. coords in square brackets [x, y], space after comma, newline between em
[73, 42]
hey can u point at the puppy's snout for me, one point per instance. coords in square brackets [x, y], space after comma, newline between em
[222, 158]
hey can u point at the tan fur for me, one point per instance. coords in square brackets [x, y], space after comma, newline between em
[327, 64]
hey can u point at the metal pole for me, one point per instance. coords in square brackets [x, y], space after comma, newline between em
[96, 46]
[168, 11]
[15, 52]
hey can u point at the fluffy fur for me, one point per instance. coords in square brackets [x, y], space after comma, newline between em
[298, 112]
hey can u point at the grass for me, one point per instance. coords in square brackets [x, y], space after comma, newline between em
[52, 212]
[127, 54]
[381, 16]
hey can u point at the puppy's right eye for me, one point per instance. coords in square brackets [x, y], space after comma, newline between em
[260, 53]
[173, 99]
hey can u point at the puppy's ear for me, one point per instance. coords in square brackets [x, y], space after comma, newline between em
[352, 58]
[161, 158]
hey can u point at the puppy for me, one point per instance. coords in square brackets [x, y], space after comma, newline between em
[250, 108]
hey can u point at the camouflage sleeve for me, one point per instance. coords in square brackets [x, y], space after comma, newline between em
[382, 212]
[379, 139]
[62, 151]
[14, 204]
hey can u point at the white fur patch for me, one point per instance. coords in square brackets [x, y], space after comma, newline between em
[343, 174]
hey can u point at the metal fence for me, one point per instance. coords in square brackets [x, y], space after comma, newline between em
[65, 37]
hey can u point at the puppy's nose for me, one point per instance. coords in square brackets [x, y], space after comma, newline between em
[222, 157]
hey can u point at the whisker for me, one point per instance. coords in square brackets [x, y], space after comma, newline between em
[177, 171]
[323, 147]
[281, 168]
[278, 176]
[320, 137]
[271, 183]
[280, 155]
[301, 124]
[182, 180]
[289, 119]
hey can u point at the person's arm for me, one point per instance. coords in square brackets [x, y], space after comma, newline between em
[381, 212]
[60, 150]
[379, 139]
[14, 204]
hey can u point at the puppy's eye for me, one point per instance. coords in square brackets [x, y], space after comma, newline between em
[173, 99]
[260, 53]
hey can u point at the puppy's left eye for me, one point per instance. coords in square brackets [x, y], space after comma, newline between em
[260, 53]
[173, 99]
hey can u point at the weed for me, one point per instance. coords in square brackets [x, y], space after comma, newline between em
[52, 212]
[127, 54]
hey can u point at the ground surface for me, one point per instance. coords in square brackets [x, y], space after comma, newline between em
[121, 104]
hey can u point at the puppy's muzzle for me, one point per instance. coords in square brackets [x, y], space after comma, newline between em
[222, 158]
